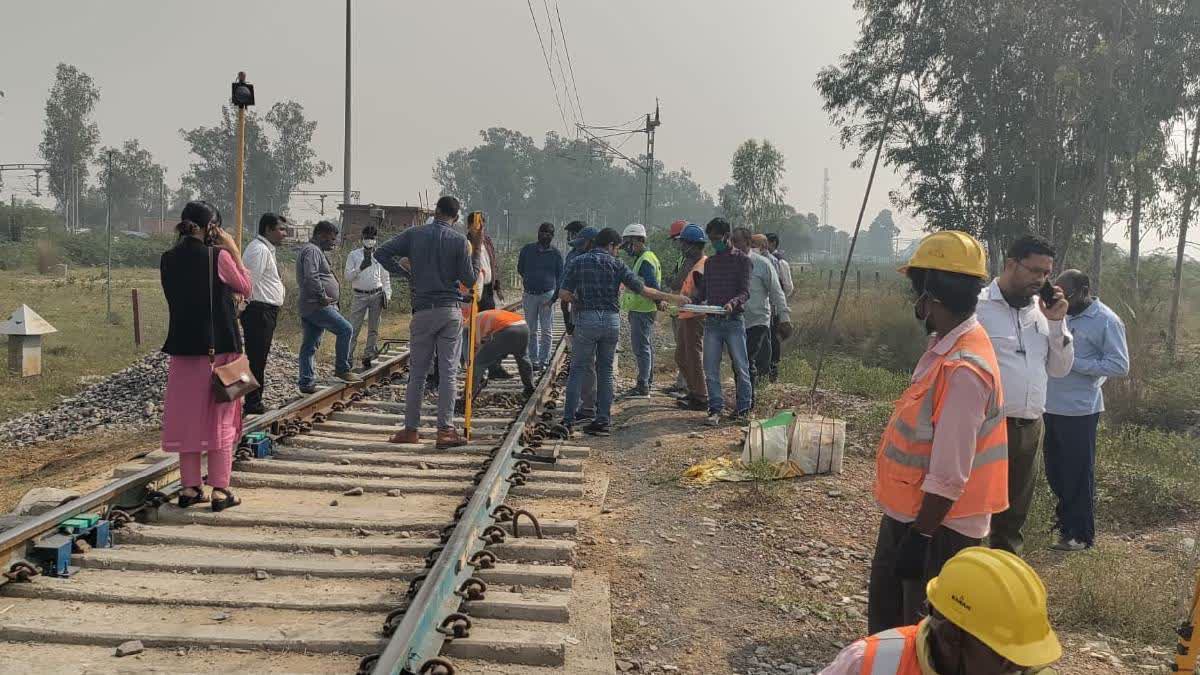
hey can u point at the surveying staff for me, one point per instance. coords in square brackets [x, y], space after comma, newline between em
[540, 266]
[591, 284]
[490, 278]
[266, 297]
[640, 310]
[1032, 344]
[319, 297]
[372, 292]
[726, 284]
[941, 469]
[440, 258]
[767, 306]
[789, 289]
[689, 326]
[1073, 407]
[200, 275]
[989, 618]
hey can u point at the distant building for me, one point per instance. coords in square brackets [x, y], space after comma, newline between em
[156, 226]
[395, 218]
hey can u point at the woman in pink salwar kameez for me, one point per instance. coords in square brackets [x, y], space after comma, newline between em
[200, 276]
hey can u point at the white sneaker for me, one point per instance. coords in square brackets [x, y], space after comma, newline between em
[713, 420]
[1070, 545]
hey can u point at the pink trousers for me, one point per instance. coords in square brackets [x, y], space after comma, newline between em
[220, 465]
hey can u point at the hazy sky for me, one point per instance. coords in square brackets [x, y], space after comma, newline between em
[429, 75]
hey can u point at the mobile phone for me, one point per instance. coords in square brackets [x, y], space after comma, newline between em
[1047, 293]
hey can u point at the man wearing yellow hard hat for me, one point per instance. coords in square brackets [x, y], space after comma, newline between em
[942, 464]
[988, 618]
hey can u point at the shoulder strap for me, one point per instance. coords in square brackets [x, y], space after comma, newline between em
[212, 326]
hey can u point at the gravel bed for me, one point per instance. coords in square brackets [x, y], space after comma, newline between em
[133, 399]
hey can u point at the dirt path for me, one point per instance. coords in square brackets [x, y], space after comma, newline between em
[750, 578]
[81, 463]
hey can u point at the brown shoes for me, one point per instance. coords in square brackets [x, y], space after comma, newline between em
[406, 436]
[449, 438]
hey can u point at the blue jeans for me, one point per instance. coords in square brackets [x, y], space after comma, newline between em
[539, 315]
[722, 333]
[641, 334]
[593, 345]
[324, 319]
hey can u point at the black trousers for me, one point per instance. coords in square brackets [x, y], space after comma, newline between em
[1070, 455]
[891, 601]
[758, 347]
[776, 349]
[487, 298]
[512, 340]
[258, 326]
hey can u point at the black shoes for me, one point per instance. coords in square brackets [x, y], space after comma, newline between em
[254, 409]
[597, 429]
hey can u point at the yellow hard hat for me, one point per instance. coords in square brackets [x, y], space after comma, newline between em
[950, 251]
[998, 598]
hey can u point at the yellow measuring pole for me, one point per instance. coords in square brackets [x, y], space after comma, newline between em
[1189, 638]
[471, 361]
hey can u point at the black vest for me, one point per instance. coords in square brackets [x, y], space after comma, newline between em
[185, 271]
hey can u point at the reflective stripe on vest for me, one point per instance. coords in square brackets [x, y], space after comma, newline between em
[633, 302]
[689, 286]
[903, 456]
[892, 652]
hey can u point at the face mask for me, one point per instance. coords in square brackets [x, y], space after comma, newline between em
[923, 316]
[720, 246]
[369, 243]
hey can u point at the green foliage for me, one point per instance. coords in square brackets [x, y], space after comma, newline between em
[135, 184]
[1145, 476]
[755, 197]
[276, 162]
[69, 136]
[560, 181]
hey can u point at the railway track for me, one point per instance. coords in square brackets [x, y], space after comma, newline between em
[348, 553]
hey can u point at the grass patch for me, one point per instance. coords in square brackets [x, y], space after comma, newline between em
[1104, 590]
[845, 374]
[1145, 476]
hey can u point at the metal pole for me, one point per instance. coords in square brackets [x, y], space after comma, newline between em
[12, 218]
[241, 170]
[108, 233]
[137, 320]
[346, 142]
[162, 204]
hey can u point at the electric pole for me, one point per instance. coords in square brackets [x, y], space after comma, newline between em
[162, 203]
[651, 125]
[825, 211]
[108, 232]
[242, 97]
[346, 142]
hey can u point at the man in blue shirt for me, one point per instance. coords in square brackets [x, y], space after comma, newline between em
[540, 266]
[1073, 407]
[592, 285]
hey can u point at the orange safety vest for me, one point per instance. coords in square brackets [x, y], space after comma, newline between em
[904, 451]
[892, 652]
[689, 286]
[494, 321]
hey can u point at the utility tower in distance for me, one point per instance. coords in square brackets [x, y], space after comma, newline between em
[598, 135]
[651, 125]
[825, 199]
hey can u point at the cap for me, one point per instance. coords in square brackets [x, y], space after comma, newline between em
[677, 228]
[585, 235]
[692, 234]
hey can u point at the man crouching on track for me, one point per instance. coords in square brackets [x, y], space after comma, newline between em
[941, 470]
[440, 259]
[499, 333]
[591, 284]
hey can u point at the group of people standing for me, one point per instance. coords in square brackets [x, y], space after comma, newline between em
[1011, 366]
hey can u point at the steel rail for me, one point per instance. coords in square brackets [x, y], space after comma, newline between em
[417, 638]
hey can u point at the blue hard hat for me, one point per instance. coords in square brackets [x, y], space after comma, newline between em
[692, 234]
[585, 235]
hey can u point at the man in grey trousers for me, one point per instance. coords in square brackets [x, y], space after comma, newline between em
[437, 258]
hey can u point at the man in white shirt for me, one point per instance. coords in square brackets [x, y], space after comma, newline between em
[775, 254]
[1032, 344]
[266, 296]
[372, 291]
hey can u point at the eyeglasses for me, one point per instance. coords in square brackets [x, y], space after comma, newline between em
[1043, 273]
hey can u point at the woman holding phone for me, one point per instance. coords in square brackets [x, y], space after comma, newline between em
[200, 276]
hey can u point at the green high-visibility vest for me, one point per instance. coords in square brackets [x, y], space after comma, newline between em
[632, 302]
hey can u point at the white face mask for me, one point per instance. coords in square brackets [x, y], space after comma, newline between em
[369, 243]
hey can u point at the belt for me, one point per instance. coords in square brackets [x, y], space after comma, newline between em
[260, 303]
[1021, 421]
[372, 292]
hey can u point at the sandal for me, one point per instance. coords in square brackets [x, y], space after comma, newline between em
[186, 500]
[229, 501]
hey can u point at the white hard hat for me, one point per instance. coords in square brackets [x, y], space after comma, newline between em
[634, 230]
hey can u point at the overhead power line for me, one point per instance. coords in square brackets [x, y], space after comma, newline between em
[570, 66]
[549, 69]
[556, 50]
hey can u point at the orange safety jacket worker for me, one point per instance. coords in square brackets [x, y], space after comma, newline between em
[892, 652]
[907, 444]
[495, 320]
[689, 286]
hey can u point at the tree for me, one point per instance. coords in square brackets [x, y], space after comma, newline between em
[877, 241]
[275, 164]
[755, 196]
[69, 136]
[135, 184]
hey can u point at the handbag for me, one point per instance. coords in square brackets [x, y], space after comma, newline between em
[233, 380]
